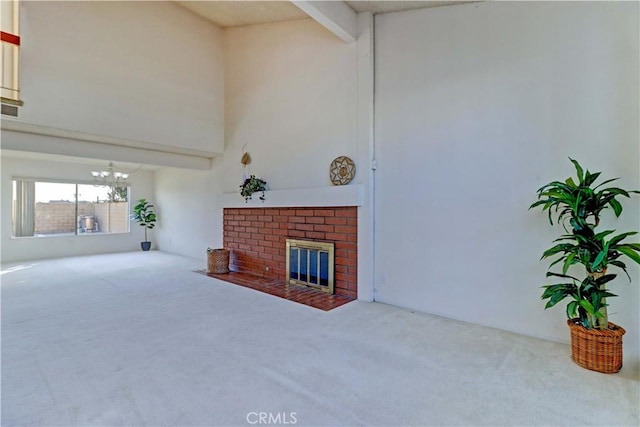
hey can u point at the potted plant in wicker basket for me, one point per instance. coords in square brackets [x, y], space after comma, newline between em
[596, 343]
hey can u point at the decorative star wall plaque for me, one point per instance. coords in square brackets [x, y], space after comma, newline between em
[342, 170]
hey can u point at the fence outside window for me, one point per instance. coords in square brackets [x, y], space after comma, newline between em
[43, 208]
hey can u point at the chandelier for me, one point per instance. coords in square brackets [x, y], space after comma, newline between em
[110, 177]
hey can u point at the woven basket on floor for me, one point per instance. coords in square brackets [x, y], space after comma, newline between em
[218, 261]
[595, 349]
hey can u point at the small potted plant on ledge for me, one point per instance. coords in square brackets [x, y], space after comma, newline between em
[596, 343]
[144, 215]
[252, 185]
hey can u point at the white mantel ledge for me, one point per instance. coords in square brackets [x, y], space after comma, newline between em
[344, 195]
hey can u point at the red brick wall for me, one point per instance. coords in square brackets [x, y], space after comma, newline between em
[257, 237]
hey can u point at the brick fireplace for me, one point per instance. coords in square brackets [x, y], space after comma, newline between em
[257, 239]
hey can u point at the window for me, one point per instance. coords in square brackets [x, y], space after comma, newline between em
[43, 208]
[10, 36]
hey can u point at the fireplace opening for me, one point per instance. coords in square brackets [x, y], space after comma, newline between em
[310, 264]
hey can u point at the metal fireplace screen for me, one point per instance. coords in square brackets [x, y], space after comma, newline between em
[310, 264]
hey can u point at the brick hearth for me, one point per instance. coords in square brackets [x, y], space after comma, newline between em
[257, 237]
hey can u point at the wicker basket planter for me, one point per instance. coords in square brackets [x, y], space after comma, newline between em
[218, 261]
[595, 349]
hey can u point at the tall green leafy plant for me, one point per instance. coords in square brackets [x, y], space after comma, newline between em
[577, 206]
[144, 215]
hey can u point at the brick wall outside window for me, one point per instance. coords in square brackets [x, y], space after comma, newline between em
[257, 237]
[60, 217]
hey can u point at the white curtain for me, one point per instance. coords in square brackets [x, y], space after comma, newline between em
[24, 208]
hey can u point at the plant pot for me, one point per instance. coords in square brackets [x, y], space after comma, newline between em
[596, 349]
[145, 246]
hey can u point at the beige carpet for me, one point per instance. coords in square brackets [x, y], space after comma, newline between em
[139, 339]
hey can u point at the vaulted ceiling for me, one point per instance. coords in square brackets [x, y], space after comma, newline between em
[238, 13]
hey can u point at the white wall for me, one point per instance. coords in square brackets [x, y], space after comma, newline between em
[291, 97]
[149, 73]
[476, 107]
[123, 81]
[29, 248]
[298, 97]
[190, 218]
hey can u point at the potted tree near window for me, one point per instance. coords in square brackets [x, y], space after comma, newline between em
[144, 215]
[596, 343]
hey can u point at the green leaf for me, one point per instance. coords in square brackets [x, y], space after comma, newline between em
[578, 170]
[538, 203]
[635, 246]
[572, 308]
[599, 259]
[561, 247]
[567, 263]
[605, 182]
[587, 306]
[622, 266]
[591, 178]
[630, 252]
[564, 276]
[614, 240]
[605, 279]
[603, 234]
[617, 207]
[615, 191]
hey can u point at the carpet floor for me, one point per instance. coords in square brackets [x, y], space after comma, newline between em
[140, 339]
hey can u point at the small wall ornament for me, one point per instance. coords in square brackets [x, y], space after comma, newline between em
[245, 160]
[342, 170]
